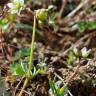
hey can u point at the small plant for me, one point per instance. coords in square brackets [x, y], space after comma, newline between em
[15, 7]
[20, 68]
[56, 88]
[83, 53]
[41, 15]
[20, 65]
[75, 55]
[71, 58]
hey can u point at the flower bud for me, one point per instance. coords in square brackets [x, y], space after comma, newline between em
[85, 52]
[42, 14]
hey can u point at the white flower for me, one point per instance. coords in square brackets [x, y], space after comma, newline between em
[85, 52]
[75, 50]
[16, 6]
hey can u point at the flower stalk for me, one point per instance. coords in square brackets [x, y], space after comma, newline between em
[30, 64]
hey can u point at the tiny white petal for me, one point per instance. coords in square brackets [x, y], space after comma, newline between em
[11, 5]
[75, 50]
[85, 52]
[15, 0]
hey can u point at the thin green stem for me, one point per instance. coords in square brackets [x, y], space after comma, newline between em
[30, 64]
[24, 86]
[32, 48]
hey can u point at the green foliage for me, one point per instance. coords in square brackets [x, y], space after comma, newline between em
[56, 89]
[41, 68]
[11, 17]
[18, 69]
[71, 58]
[4, 24]
[92, 25]
[38, 70]
[83, 26]
[24, 52]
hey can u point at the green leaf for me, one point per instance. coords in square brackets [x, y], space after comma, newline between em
[63, 91]
[92, 25]
[13, 68]
[52, 86]
[25, 52]
[4, 24]
[82, 26]
[17, 69]
[36, 72]
[57, 90]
